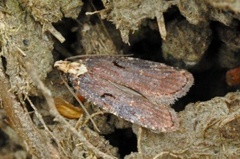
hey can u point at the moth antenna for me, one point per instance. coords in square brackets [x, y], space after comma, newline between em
[82, 56]
[81, 104]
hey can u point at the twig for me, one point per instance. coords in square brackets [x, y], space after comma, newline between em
[55, 33]
[139, 147]
[161, 25]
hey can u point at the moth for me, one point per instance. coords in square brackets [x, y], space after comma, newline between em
[136, 90]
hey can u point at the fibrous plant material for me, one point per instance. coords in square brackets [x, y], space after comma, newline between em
[229, 56]
[186, 43]
[128, 15]
[47, 13]
[225, 5]
[102, 43]
[208, 130]
[20, 42]
[23, 39]
[22, 123]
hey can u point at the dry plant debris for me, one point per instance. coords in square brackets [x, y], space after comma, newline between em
[208, 129]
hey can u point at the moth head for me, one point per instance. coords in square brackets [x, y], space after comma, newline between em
[74, 68]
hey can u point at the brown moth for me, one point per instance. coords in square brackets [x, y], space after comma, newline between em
[136, 90]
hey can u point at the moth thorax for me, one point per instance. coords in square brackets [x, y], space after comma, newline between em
[77, 68]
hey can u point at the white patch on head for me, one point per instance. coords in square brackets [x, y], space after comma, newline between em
[75, 68]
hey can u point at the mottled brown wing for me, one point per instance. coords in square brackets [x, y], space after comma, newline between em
[136, 90]
[123, 103]
[157, 82]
